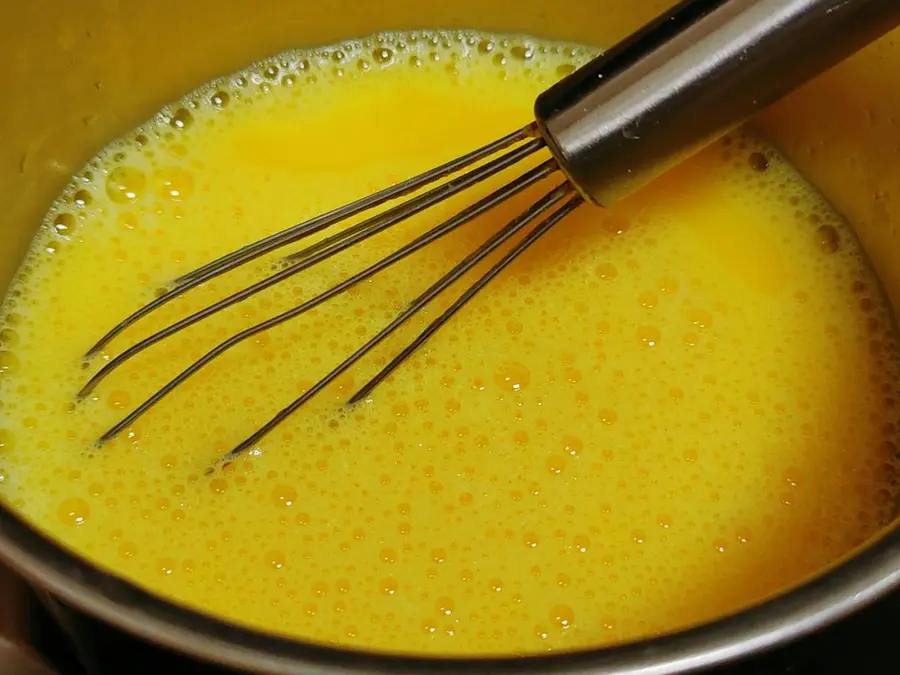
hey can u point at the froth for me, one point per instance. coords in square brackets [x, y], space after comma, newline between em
[642, 425]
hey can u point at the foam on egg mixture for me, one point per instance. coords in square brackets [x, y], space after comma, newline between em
[662, 413]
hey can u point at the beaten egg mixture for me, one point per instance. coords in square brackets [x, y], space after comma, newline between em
[664, 412]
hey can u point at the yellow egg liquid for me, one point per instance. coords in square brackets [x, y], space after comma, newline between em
[662, 413]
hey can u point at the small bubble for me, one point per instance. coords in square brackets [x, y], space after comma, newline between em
[648, 300]
[512, 377]
[183, 118]
[9, 363]
[581, 543]
[220, 99]
[118, 400]
[82, 198]
[125, 184]
[64, 224]
[383, 56]
[758, 161]
[562, 616]
[174, 184]
[276, 559]
[486, 46]
[74, 512]
[388, 555]
[828, 238]
[284, 495]
[444, 606]
[564, 70]
[556, 464]
[271, 72]
[522, 52]
[127, 550]
[606, 271]
[389, 586]
[700, 318]
[648, 335]
[218, 485]
[572, 445]
[608, 416]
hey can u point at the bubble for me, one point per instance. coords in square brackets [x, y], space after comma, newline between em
[556, 464]
[700, 318]
[389, 586]
[125, 184]
[383, 56]
[276, 559]
[220, 99]
[608, 416]
[828, 238]
[174, 183]
[218, 486]
[562, 616]
[127, 550]
[648, 336]
[512, 377]
[118, 399]
[522, 52]
[7, 440]
[606, 271]
[74, 512]
[581, 543]
[9, 363]
[286, 496]
[388, 555]
[82, 198]
[182, 119]
[65, 224]
[758, 161]
[486, 46]
[444, 606]
[572, 445]
[648, 300]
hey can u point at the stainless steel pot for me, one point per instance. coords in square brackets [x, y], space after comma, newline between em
[76, 75]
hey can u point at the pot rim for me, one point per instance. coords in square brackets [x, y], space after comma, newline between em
[854, 584]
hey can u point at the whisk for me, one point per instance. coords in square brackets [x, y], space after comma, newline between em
[610, 127]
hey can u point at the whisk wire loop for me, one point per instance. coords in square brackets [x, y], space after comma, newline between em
[533, 213]
[320, 252]
[467, 214]
[310, 227]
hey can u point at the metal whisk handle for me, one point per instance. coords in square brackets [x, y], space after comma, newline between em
[689, 77]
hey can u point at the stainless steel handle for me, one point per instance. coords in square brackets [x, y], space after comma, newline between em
[689, 77]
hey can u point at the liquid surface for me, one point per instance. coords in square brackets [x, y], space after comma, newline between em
[662, 413]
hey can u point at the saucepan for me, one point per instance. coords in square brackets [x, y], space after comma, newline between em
[78, 74]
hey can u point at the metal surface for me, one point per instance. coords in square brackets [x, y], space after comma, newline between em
[82, 73]
[690, 76]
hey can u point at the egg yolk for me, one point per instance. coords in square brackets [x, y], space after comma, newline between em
[661, 413]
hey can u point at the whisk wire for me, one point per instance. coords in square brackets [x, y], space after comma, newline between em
[360, 232]
[534, 212]
[257, 249]
[364, 203]
[540, 230]
[467, 214]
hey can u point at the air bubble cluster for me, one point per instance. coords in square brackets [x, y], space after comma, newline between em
[641, 425]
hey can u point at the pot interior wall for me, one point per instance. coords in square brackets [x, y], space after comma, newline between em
[78, 74]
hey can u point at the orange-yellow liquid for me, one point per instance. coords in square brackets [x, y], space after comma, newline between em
[662, 413]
